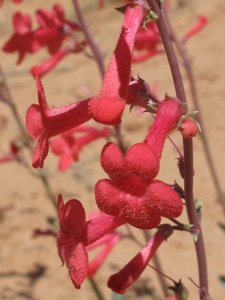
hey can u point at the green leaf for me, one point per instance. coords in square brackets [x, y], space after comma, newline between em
[118, 297]
[222, 226]
[187, 226]
[151, 16]
[160, 3]
[195, 236]
[222, 280]
[53, 222]
[198, 205]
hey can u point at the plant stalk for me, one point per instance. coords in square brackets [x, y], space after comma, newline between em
[187, 65]
[89, 37]
[187, 144]
[9, 101]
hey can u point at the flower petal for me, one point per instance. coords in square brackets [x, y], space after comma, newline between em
[21, 23]
[141, 160]
[120, 281]
[112, 160]
[164, 200]
[78, 265]
[73, 218]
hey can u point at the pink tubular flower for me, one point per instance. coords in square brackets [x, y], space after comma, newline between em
[132, 191]
[75, 234]
[202, 21]
[147, 40]
[51, 33]
[108, 106]
[43, 122]
[67, 147]
[12, 155]
[50, 63]
[120, 281]
[109, 240]
[24, 39]
[14, 1]
[146, 55]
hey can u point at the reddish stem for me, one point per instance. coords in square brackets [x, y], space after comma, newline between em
[187, 65]
[90, 40]
[187, 144]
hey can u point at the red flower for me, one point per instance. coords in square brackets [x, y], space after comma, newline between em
[68, 147]
[53, 30]
[24, 39]
[14, 1]
[108, 106]
[53, 25]
[202, 21]
[13, 153]
[50, 63]
[120, 281]
[131, 191]
[109, 240]
[75, 234]
[43, 122]
[148, 40]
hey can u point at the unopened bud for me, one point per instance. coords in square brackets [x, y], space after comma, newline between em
[178, 189]
[189, 127]
[180, 291]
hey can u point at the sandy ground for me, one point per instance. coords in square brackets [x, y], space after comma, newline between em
[30, 268]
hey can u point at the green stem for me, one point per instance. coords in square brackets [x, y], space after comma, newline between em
[96, 289]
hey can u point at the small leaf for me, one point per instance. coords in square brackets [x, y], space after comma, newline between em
[152, 106]
[198, 205]
[191, 114]
[187, 226]
[122, 9]
[52, 221]
[222, 226]
[151, 16]
[118, 297]
[160, 3]
[195, 236]
[222, 280]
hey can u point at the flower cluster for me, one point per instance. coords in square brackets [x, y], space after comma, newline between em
[76, 236]
[132, 190]
[67, 146]
[131, 194]
[148, 41]
[53, 29]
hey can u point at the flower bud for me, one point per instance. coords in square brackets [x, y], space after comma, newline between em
[189, 127]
